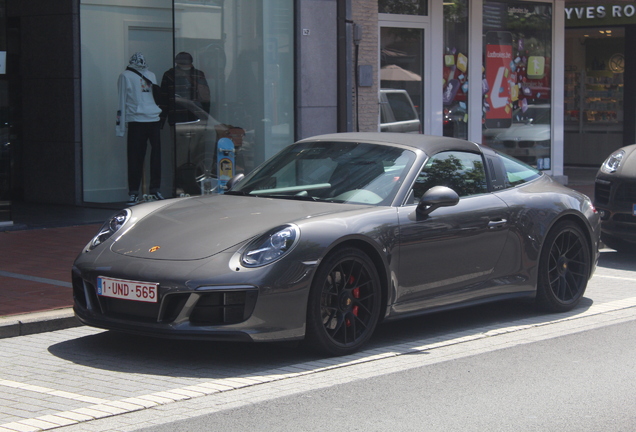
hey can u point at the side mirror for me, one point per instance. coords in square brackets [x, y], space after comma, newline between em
[234, 180]
[435, 197]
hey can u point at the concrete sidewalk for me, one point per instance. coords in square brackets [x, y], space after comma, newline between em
[35, 269]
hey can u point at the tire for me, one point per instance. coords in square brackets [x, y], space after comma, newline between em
[344, 303]
[564, 268]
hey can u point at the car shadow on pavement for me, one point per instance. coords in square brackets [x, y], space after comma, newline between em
[114, 351]
[612, 259]
[494, 316]
[120, 352]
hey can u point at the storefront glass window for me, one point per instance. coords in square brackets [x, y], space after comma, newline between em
[110, 34]
[455, 87]
[243, 54]
[594, 90]
[225, 71]
[517, 80]
[401, 7]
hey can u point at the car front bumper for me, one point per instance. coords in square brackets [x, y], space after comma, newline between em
[615, 200]
[199, 299]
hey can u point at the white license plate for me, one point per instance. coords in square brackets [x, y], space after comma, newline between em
[128, 290]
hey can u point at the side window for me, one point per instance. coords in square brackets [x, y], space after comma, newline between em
[463, 172]
[517, 172]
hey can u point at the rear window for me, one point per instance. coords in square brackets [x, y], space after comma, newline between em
[401, 106]
[517, 172]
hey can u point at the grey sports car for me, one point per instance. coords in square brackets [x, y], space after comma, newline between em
[334, 234]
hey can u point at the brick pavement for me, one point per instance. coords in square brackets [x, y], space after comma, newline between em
[35, 269]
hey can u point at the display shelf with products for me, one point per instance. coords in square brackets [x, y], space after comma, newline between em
[593, 99]
[573, 97]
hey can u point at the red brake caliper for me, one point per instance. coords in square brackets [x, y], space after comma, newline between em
[356, 294]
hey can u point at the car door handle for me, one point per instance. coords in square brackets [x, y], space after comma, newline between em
[498, 223]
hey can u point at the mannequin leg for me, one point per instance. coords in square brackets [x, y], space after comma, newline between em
[154, 133]
[136, 153]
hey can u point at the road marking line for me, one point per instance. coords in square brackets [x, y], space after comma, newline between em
[92, 411]
[614, 277]
[52, 392]
[105, 408]
[40, 424]
[36, 279]
[18, 426]
[75, 417]
[61, 421]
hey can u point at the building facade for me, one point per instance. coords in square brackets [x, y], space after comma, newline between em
[264, 74]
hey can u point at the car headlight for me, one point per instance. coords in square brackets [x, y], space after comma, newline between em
[271, 246]
[612, 163]
[110, 227]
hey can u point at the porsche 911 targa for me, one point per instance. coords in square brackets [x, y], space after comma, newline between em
[333, 235]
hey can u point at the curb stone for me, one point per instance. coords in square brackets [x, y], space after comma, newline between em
[38, 322]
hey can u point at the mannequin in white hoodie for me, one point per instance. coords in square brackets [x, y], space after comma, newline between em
[138, 112]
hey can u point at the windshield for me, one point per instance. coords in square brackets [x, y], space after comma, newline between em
[331, 171]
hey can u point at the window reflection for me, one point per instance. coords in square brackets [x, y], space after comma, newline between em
[401, 71]
[455, 87]
[517, 79]
[249, 76]
[334, 172]
[460, 171]
[414, 7]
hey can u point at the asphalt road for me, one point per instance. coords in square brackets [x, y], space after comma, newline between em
[580, 382]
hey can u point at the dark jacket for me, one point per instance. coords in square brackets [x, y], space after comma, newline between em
[190, 85]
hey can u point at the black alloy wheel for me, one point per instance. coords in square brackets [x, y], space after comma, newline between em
[344, 303]
[564, 268]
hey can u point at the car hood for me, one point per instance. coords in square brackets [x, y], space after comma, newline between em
[199, 227]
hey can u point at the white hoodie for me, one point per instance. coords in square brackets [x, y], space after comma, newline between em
[136, 103]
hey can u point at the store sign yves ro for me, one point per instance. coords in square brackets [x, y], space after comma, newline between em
[600, 12]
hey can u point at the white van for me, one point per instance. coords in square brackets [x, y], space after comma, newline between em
[397, 112]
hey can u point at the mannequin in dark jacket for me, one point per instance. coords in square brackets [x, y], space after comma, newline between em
[184, 82]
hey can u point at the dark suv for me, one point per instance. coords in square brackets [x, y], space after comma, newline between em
[615, 199]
